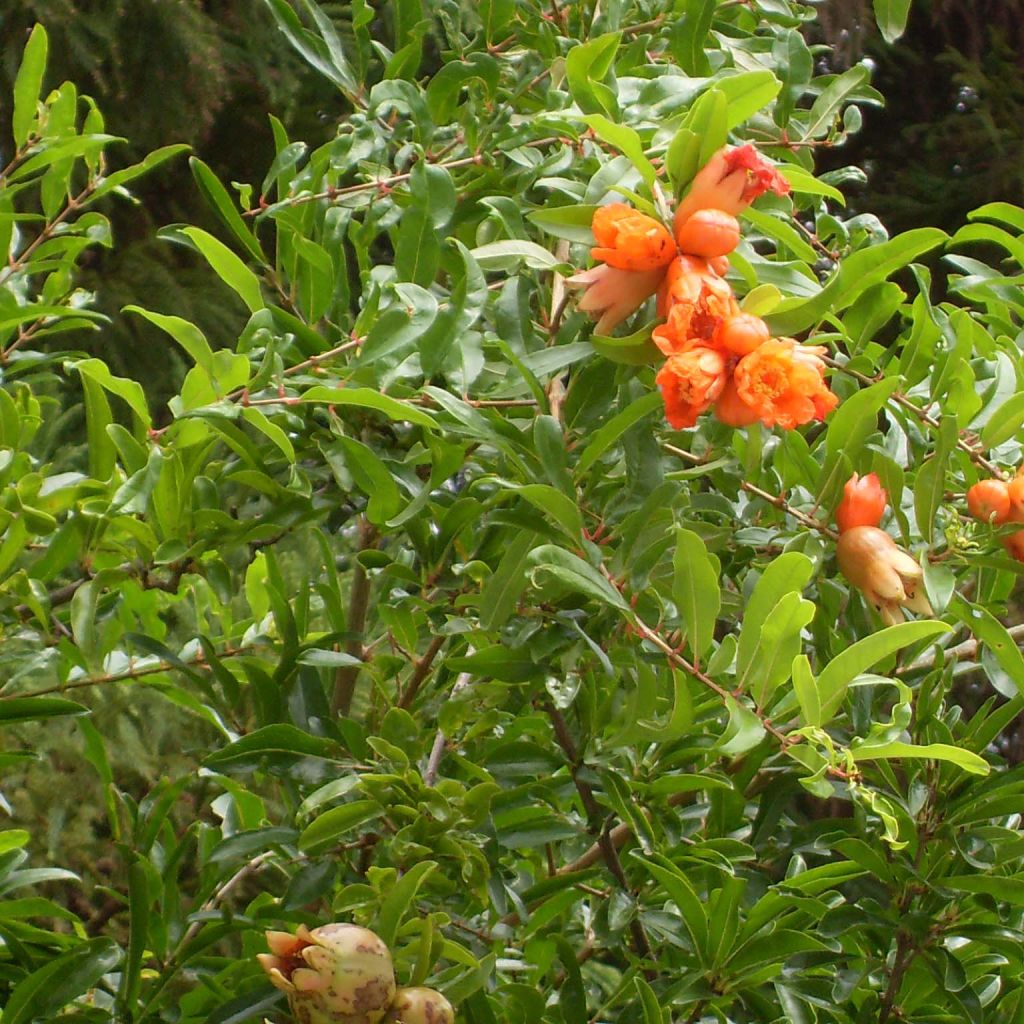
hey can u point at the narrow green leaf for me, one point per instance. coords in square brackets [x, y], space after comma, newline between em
[365, 398]
[398, 901]
[27, 87]
[221, 203]
[228, 267]
[836, 676]
[626, 141]
[742, 733]
[696, 590]
[37, 709]
[965, 759]
[606, 435]
[891, 16]
[778, 644]
[994, 635]
[186, 334]
[502, 588]
[571, 570]
[831, 100]
[324, 831]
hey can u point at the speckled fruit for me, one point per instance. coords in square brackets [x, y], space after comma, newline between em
[335, 974]
[420, 1006]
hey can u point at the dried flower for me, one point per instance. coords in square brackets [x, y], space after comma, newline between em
[863, 502]
[886, 575]
[784, 383]
[630, 240]
[612, 294]
[335, 974]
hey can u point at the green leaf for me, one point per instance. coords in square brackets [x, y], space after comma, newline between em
[806, 688]
[891, 16]
[37, 709]
[608, 433]
[501, 590]
[365, 398]
[696, 591]
[747, 94]
[118, 179]
[993, 634]
[506, 255]
[571, 570]
[28, 85]
[965, 759]
[586, 64]
[399, 900]
[323, 832]
[60, 981]
[743, 732]
[930, 485]
[228, 267]
[825, 109]
[836, 676]
[626, 141]
[321, 52]
[220, 201]
[778, 643]
[682, 893]
[130, 390]
[1004, 422]
[790, 572]
[186, 334]
[636, 349]
[804, 183]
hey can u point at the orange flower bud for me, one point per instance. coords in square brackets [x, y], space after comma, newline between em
[783, 382]
[886, 575]
[690, 382]
[1014, 545]
[863, 502]
[741, 333]
[709, 233]
[630, 240]
[989, 501]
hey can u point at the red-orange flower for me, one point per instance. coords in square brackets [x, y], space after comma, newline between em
[691, 280]
[730, 181]
[630, 240]
[784, 383]
[863, 502]
[741, 333]
[695, 321]
[690, 381]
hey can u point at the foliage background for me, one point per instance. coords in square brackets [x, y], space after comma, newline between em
[431, 665]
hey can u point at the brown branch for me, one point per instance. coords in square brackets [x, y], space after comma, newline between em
[359, 601]
[596, 815]
[130, 673]
[420, 672]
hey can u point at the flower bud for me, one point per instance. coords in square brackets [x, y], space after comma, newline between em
[420, 1006]
[989, 501]
[742, 333]
[863, 502]
[709, 234]
[630, 240]
[335, 974]
[886, 575]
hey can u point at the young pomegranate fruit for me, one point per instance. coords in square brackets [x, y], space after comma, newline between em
[335, 974]
[420, 1006]
[989, 501]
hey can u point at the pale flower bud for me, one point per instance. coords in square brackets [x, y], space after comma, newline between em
[335, 974]
[612, 295]
[886, 575]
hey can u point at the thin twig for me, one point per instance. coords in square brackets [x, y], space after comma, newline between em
[420, 671]
[437, 750]
[359, 600]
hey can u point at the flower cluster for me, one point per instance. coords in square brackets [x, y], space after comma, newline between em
[343, 974]
[997, 502]
[870, 559]
[716, 355]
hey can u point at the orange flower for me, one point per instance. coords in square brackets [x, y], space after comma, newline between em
[630, 240]
[709, 234]
[863, 502]
[989, 501]
[695, 321]
[691, 280]
[784, 383]
[690, 381]
[1015, 489]
[730, 181]
[731, 409]
[612, 295]
[885, 574]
